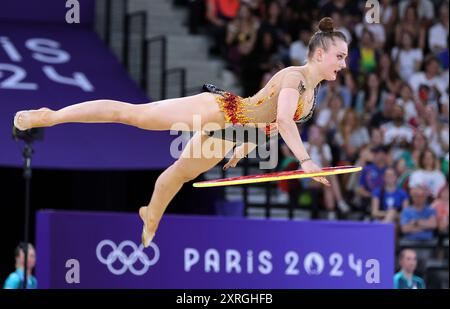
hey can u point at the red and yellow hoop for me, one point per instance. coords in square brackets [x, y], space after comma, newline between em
[277, 176]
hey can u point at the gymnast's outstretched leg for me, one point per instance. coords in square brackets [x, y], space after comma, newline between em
[160, 115]
[186, 168]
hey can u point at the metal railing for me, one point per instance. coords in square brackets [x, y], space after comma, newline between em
[182, 80]
[145, 59]
[156, 66]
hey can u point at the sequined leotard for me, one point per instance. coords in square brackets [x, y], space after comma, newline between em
[260, 108]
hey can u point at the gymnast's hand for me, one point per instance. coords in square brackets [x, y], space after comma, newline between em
[237, 156]
[239, 152]
[310, 167]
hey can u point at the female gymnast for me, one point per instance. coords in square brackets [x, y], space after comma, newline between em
[288, 98]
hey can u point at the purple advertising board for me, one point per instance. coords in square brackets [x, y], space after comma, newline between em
[102, 250]
[52, 65]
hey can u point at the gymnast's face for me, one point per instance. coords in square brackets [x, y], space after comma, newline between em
[333, 59]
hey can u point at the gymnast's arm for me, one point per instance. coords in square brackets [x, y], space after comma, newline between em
[287, 105]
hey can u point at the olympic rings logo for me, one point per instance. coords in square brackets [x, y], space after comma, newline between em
[128, 261]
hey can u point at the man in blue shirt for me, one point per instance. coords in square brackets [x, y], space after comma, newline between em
[405, 278]
[372, 176]
[389, 199]
[15, 279]
[418, 222]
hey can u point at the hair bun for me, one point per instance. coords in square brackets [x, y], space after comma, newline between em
[326, 24]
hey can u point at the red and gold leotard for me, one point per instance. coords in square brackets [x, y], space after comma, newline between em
[260, 111]
[257, 109]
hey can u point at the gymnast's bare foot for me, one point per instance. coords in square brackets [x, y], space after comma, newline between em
[147, 233]
[25, 120]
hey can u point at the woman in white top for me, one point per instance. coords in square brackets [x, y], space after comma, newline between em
[320, 152]
[351, 136]
[408, 58]
[435, 131]
[438, 34]
[428, 175]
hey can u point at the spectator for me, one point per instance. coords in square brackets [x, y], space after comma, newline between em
[298, 51]
[444, 164]
[418, 146]
[351, 85]
[275, 66]
[241, 37]
[403, 173]
[438, 34]
[410, 24]
[274, 24]
[394, 85]
[384, 86]
[428, 85]
[339, 26]
[436, 132]
[259, 63]
[440, 205]
[332, 88]
[255, 5]
[372, 175]
[405, 278]
[418, 222]
[428, 175]
[385, 69]
[330, 114]
[15, 279]
[351, 137]
[343, 7]
[368, 101]
[218, 14]
[386, 72]
[300, 14]
[320, 151]
[197, 16]
[366, 156]
[408, 57]
[424, 8]
[408, 102]
[389, 199]
[397, 134]
[388, 15]
[444, 101]
[364, 58]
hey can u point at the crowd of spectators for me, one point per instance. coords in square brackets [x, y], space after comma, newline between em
[388, 112]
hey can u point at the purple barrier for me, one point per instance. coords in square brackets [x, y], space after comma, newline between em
[58, 65]
[102, 250]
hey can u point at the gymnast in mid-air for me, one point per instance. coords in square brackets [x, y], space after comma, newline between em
[288, 98]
